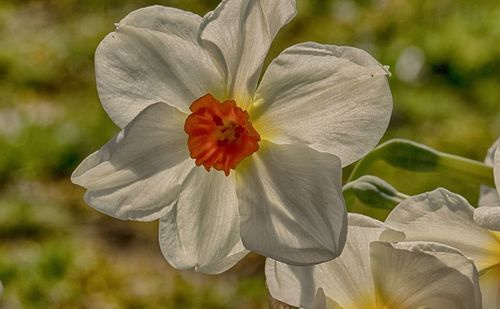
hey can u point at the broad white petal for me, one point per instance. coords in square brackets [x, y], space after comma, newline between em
[490, 196]
[445, 217]
[153, 56]
[291, 204]
[490, 288]
[347, 279]
[168, 20]
[202, 230]
[333, 99]
[138, 174]
[239, 34]
[423, 275]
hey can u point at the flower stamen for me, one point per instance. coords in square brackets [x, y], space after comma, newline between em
[220, 134]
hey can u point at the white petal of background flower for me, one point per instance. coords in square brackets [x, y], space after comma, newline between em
[423, 275]
[138, 174]
[321, 301]
[387, 234]
[445, 217]
[376, 274]
[496, 167]
[291, 204]
[333, 99]
[346, 279]
[490, 288]
[490, 196]
[202, 231]
[239, 33]
[147, 60]
[488, 217]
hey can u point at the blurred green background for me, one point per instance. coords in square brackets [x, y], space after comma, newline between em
[56, 252]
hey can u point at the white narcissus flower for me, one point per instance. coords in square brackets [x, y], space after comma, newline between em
[225, 163]
[445, 217]
[373, 273]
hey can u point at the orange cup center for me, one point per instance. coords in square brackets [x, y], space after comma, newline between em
[220, 134]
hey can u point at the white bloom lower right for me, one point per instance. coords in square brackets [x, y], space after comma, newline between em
[373, 272]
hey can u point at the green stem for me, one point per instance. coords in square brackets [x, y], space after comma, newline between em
[402, 196]
[420, 158]
[459, 167]
[362, 167]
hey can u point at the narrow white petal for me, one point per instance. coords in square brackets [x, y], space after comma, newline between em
[496, 168]
[239, 33]
[291, 204]
[138, 174]
[153, 56]
[321, 301]
[488, 160]
[334, 99]
[487, 214]
[347, 279]
[202, 230]
[423, 275]
[444, 217]
[490, 196]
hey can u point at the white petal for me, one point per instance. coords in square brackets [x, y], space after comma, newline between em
[488, 217]
[334, 99]
[239, 33]
[138, 174]
[364, 221]
[168, 20]
[490, 288]
[496, 168]
[490, 196]
[488, 160]
[321, 301]
[447, 218]
[153, 56]
[347, 279]
[423, 275]
[202, 230]
[387, 234]
[291, 204]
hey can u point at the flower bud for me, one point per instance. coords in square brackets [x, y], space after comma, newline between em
[374, 192]
[409, 155]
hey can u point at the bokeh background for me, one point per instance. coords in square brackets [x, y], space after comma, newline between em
[56, 252]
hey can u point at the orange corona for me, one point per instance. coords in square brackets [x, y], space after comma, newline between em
[220, 134]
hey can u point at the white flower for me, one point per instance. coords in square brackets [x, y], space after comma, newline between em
[445, 217]
[373, 273]
[183, 87]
